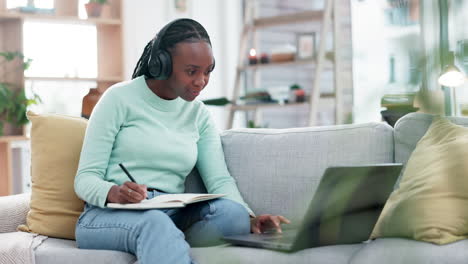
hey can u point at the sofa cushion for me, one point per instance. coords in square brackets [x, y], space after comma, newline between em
[54, 250]
[278, 170]
[56, 142]
[235, 255]
[411, 128]
[64, 251]
[13, 211]
[431, 203]
[399, 250]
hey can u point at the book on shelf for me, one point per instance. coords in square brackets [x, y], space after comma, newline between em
[167, 201]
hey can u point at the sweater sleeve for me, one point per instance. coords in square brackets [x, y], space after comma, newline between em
[103, 126]
[211, 163]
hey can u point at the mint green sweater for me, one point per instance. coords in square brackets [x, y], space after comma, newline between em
[159, 142]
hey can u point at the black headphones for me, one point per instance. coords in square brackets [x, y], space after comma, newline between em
[160, 60]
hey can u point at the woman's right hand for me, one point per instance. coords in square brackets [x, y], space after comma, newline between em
[129, 192]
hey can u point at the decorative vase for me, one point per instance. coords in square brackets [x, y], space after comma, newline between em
[93, 9]
[89, 101]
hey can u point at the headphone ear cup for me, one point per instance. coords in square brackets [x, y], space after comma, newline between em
[165, 62]
[154, 66]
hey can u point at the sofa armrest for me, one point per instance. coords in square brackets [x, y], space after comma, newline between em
[13, 211]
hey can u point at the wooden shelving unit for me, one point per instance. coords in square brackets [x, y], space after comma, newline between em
[109, 59]
[109, 37]
[253, 107]
[6, 144]
[328, 65]
[326, 19]
[60, 19]
[304, 16]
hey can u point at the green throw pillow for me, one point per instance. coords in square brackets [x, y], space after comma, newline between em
[431, 203]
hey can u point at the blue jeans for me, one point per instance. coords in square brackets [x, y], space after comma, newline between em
[161, 235]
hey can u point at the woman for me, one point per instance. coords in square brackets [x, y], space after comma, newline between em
[154, 126]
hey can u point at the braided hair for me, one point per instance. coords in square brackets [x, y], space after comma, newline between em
[183, 30]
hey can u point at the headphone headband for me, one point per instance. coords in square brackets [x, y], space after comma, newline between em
[160, 60]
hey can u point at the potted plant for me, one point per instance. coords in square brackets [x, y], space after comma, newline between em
[94, 7]
[13, 101]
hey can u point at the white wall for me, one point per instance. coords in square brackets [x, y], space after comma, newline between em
[142, 19]
[222, 19]
[370, 67]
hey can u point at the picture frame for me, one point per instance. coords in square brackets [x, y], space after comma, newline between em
[179, 9]
[306, 45]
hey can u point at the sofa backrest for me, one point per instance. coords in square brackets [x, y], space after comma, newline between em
[411, 128]
[278, 170]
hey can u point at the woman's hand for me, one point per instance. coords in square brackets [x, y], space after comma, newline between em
[262, 223]
[129, 192]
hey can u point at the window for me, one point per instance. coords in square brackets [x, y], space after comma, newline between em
[43, 4]
[64, 65]
[61, 97]
[16, 3]
[60, 50]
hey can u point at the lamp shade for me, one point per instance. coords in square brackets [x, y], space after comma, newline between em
[451, 76]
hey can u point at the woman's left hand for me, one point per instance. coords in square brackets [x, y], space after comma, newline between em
[265, 222]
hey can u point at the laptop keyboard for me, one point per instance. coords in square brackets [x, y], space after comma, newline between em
[285, 236]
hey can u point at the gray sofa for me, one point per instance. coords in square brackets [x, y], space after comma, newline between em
[277, 172]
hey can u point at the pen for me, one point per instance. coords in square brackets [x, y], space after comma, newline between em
[128, 174]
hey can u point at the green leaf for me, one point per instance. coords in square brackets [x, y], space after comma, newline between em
[21, 118]
[13, 101]
[9, 56]
[98, 1]
[27, 63]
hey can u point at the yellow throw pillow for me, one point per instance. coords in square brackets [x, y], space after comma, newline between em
[56, 142]
[431, 203]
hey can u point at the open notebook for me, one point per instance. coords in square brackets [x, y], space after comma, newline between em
[167, 201]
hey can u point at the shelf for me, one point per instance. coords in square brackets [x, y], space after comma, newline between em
[110, 79]
[100, 79]
[286, 63]
[250, 107]
[305, 16]
[35, 78]
[12, 138]
[61, 19]
[109, 71]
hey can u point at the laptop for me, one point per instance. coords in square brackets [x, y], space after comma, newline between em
[343, 210]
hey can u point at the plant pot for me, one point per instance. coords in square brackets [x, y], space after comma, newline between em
[93, 9]
[10, 130]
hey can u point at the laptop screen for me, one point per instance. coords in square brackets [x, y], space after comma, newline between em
[347, 205]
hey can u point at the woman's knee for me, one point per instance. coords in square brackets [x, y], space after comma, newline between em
[233, 215]
[119, 229]
[154, 220]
